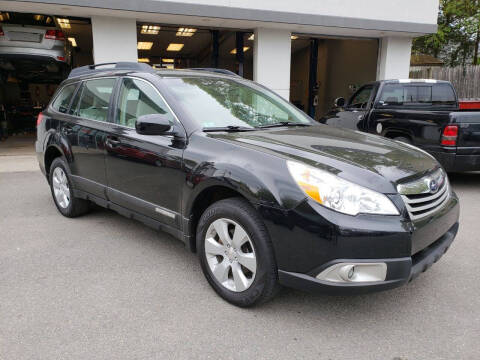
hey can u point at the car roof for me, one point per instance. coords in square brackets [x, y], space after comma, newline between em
[408, 81]
[122, 68]
[414, 81]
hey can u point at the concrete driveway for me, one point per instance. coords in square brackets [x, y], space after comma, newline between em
[106, 287]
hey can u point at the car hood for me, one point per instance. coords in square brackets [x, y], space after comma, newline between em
[368, 160]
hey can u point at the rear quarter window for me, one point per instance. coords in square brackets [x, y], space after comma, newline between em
[62, 101]
[443, 94]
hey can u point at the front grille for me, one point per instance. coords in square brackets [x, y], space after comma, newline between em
[421, 198]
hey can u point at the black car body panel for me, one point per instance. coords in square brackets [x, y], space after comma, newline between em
[164, 180]
[366, 159]
[421, 124]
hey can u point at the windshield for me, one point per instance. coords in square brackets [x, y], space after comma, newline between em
[218, 102]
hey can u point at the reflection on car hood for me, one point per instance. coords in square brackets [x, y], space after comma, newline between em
[359, 157]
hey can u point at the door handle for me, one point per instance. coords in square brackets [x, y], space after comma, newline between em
[67, 130]
[112, 141]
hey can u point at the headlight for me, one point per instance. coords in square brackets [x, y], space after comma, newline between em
[339, 194]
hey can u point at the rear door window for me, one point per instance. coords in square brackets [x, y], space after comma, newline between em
[62, 101]
[94, 99]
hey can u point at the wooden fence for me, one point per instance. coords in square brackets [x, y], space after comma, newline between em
[466, 80]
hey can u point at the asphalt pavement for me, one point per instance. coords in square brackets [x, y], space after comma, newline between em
[105, 287]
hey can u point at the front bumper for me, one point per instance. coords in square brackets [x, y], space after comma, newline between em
[399, 271]
[311, 238]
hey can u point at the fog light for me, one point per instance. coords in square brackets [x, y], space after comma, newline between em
[346, 272]
[354, 272]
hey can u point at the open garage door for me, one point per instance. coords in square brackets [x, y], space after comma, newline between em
[37, 52]
[184, 46]
[324, 68]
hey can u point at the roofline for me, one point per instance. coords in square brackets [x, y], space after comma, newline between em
[120, 68]
[238, 13]
[410, 81]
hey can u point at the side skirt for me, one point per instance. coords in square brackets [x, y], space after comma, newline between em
[154, 224]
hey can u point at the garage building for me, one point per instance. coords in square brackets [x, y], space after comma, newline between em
[307, 51]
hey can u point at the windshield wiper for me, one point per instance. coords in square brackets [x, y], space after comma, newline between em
[283, 123]
[230, 128]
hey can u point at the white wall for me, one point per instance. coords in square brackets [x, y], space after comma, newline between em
[394, 58]
[271, 59]
[114, 39]
[423, 11]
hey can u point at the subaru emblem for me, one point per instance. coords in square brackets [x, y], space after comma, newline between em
[433, 186]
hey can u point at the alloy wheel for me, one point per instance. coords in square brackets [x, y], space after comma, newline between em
[230, 254]
[61, 190]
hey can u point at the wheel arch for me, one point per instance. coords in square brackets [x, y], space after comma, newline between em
[205, 197]
[393, 133]
[51, 153]
[56, 145]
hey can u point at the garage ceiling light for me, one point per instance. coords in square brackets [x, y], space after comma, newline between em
[144, 45]
[73, 41]
[245, 49]
[4, 16]
[252, 37]
[175, 47]
[143, 60]
[150, 29]
[168, 60]
[186, 32]
[64, 23]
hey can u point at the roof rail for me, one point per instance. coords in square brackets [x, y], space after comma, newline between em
[215, 70]
[91, 69]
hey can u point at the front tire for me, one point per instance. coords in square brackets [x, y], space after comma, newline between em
[62, 191]
[236, 254]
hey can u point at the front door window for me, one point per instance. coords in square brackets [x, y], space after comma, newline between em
[361, 98]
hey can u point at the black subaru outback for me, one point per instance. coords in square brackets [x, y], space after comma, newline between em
[261, 192]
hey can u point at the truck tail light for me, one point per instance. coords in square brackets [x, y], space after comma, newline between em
[55, 35]
[449, 135]
[1, 32]
[40, 118]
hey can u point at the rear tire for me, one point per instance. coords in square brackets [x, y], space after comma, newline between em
[243, 273]
[62, 191]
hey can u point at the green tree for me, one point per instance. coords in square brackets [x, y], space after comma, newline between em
[457, 39]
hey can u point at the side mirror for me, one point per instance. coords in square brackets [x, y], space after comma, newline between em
[339, 102]
[153, 124]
